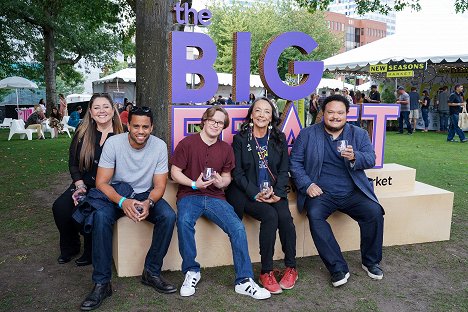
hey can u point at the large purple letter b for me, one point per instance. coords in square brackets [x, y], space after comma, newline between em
[180, 66]
[312, 71]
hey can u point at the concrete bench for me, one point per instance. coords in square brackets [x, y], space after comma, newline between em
[415, 213]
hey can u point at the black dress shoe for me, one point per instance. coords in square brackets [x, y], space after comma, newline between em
[83, 260]
[95, 298]
[65, 259]
[157, 282]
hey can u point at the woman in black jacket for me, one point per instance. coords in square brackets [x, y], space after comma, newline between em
[259, 189]
[100, 122]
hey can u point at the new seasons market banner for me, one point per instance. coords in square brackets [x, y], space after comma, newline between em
[397, 69]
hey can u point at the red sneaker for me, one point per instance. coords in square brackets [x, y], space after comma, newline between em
[289, 278]
[268, 280]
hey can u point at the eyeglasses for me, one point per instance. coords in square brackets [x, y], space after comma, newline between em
[212, 122]
[144, 109]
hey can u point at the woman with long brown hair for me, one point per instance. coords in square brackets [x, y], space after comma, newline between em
[100, 122]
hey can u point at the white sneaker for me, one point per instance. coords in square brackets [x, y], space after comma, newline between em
[191, 280]
[250, 288]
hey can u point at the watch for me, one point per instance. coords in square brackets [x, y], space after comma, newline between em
[151, 202]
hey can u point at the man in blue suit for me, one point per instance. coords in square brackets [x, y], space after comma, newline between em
[327, 164]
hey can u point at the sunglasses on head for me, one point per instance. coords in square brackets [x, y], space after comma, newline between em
[144, 109]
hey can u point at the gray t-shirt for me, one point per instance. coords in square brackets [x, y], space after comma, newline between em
[136, 167]
[443, 102]
[404, 107]
[414, 100]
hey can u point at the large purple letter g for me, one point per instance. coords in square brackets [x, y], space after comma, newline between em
[312, 71]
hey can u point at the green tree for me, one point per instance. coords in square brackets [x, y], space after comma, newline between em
[363, 6]
[59, 33]
[264, 21]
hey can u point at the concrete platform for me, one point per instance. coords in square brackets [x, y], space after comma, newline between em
[415, 213]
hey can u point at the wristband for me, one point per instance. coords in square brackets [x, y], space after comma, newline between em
[121, 201]
[194, 185]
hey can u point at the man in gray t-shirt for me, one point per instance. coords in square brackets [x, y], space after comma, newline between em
[140, 160]
[404, 101]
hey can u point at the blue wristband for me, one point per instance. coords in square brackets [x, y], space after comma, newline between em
[194, 185]
[121, 201]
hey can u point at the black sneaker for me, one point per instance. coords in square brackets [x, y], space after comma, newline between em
[452, 140]
[464, 140]
[374, 271]
[339, 278]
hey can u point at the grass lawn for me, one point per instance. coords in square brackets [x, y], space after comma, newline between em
[422, 277]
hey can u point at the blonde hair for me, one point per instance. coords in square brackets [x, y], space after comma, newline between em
[87, 133]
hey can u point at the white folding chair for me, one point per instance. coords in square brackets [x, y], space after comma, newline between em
[17, 127]
[6, 123]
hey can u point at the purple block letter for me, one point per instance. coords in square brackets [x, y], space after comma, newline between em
[202, 66]
[241, 67]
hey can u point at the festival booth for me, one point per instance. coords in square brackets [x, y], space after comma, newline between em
[411, 61]
[122, 84]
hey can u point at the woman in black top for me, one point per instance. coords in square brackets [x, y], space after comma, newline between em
[261, 154]
[100, 122]
[426, 101]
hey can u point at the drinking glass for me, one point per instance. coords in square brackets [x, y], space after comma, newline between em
[264, 186]
[341, 145]
[207, 173]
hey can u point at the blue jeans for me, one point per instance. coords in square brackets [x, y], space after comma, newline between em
[161, 215]
[425, 116]
[404, 116]
[454, 128]
[189, 210]
[358, 206]
[443, 117]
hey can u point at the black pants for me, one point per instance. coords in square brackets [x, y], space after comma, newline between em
[272, 217]
[69, 229]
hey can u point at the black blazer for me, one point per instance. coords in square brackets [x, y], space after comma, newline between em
[244, 187]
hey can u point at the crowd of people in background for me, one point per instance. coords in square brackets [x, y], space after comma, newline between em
[412, 107]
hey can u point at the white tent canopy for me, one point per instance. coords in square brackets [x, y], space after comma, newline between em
[76, 97]
[418, 46]
[333, 84]
[129, 75]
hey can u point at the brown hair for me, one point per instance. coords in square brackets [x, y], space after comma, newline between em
[210, 113]
[87, 132]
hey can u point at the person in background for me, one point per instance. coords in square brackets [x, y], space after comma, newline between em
[425, 102]
[251, 99]
[229, 100]
[352, 95]
[101, 121]
[414, 107]
[374, 98]
[63, 106]
[313, 107]
[74, 119]
[443, 108]
[455, 103]
[42, 105]
[124, 116]
[404, 101]
[261, 155]
[34, 122]
[54, 121]
[320, 101]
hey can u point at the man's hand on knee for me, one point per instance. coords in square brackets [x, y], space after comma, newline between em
[129, 207]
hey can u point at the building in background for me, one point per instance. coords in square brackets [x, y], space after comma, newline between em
[348, 8]
[356, 32]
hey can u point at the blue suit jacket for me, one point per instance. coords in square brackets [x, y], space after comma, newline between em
[306, 159]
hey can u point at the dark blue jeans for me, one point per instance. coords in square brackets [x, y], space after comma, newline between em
[404, 116]
[443, 117]
[189, 210]
[358, 206]
[454, 128]
[161, 215]
[425, 116]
